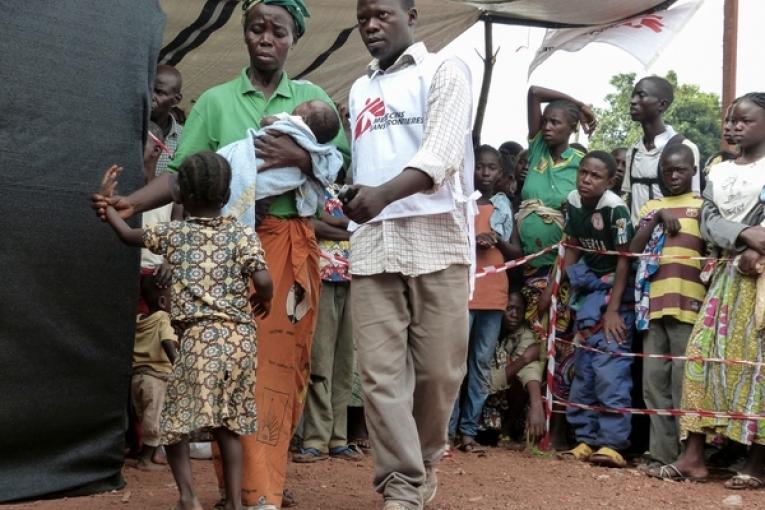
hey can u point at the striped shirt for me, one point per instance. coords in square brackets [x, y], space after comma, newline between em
[424, 244]
[676, 288]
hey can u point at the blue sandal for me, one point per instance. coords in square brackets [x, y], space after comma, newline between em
[308, 455]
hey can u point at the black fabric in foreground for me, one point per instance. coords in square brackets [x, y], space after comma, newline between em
[74, 98]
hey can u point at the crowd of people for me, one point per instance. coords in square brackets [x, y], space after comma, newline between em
[306, 298]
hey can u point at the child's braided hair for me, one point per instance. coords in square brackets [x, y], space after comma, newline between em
[204, 178]
[758, 98]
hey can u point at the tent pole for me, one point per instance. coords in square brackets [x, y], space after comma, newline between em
[730, 57]
[489, 58]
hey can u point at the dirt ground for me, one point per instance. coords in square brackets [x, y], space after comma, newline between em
[499, 480]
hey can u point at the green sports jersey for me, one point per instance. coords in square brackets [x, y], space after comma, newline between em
[606, 227]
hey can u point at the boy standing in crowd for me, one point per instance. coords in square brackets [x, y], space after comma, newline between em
[493, 226]
[599, 220]
[651, 98]
[669, 226]
[165, 96]
[154, 353]
[325, 425]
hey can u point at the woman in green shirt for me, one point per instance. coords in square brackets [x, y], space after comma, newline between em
[220, 116]
[552, 167]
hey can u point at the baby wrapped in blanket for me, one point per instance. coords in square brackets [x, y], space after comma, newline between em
[312, 124]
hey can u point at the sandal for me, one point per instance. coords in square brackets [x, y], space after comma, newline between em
[308, 455]
[362, 444]
[288, 499]
[608, 457]
[347, 452]
[743, 481]
[671, 473]
[471, 446]
[582, 452]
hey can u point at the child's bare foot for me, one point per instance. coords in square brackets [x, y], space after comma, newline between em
[159, 456]
[145, 465]
[194, 504]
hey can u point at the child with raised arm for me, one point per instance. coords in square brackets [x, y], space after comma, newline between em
[214, 258]
[597, 219]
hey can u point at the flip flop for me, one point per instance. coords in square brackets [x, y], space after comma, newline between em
[672, 473]
[607, 457]
[743, 481]
[472, 447]
[582, 452]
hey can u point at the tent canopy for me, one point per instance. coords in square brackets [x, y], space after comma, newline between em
[203, 38]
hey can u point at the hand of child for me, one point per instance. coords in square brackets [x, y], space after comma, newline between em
[545, 300]
[486, 240]
[535, 421]
[613, 327]
[163, 275]
[671, 223]
[747, 263]
[261, 306]
[109, 181]
[260, 300]
[105, 196]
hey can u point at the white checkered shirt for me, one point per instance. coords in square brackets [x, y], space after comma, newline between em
[424, 244]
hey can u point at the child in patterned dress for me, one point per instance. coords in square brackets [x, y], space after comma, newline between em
[214, 259]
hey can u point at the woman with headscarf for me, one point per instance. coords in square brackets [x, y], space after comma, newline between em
[220, 116]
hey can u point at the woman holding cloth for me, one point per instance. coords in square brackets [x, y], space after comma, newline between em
[221, 116]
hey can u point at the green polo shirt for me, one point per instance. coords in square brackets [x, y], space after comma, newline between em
[223, 114]
[551, 183]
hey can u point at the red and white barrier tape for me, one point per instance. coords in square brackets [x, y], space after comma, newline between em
[641, 255]
[553, 319]
[698, 413]
[664, 356]
[510, 264]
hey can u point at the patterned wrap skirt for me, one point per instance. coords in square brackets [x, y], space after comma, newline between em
[213, 380]
[725, 329]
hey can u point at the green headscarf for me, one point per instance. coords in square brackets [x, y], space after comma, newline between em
[296, 9]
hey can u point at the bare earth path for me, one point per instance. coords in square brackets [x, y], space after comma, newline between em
[500, 480]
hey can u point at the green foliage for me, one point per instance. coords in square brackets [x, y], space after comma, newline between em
[694, 114]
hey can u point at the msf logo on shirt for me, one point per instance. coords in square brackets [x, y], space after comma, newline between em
[372, 108]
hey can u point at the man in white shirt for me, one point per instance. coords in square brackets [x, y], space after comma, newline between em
[651, 97]
[410, 256]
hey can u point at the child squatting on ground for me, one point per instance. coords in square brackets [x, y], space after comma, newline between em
[597, 219]
[518, 365]
[214, 259]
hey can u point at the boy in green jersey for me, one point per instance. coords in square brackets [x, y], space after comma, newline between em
[597, 219]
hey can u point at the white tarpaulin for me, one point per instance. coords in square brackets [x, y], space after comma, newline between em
[641, 36]
[203, 38]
